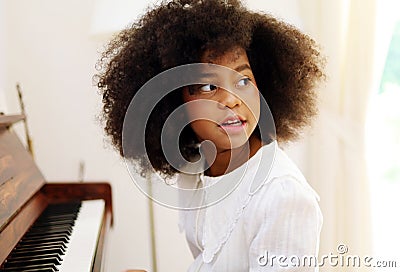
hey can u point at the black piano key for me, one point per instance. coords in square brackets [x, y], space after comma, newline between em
[43, 242]
[65, 208]
[39, 251]
[56, 216]
[32, 261]
[48, 245]
[64, 215]
[54, 223]
[47, 219]
[39, 270]
[43, 246]
[24, 268]
[36, 235]
[36, 256]
[46, 239]
[49, 231]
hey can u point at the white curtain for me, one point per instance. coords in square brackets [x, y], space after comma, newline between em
[336, 164]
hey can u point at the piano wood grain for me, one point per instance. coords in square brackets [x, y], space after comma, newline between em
[20, 178]
[24, 193]
[20, 223]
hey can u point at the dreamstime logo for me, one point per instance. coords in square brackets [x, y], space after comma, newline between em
[341, 259]
[342, 249]
[137, 118]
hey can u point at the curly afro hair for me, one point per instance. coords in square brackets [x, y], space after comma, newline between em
[286, 63]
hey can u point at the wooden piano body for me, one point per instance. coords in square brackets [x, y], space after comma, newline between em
[24, 193]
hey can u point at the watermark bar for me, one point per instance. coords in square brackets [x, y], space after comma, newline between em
[338, 259]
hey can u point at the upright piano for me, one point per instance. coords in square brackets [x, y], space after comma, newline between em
[44, 226]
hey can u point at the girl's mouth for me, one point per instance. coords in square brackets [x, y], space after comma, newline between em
[233, 124]
[236, 122]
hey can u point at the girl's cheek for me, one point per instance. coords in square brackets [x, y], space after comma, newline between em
[252, 102]
[201, 109]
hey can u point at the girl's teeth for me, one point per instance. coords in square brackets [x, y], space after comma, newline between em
[233, 122]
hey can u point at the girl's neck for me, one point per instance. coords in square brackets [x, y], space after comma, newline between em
[228, 160]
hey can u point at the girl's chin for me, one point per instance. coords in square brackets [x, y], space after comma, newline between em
[237, 143]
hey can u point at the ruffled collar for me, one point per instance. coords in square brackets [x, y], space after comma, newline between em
[220, 218]
[225, 209]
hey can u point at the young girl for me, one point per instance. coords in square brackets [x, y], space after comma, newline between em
[236, 83]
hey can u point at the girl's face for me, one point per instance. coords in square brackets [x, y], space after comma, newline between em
[226, 115]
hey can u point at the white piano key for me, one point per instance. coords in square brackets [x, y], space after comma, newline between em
[81, 248]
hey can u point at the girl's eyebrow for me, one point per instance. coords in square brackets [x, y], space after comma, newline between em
[242, 67]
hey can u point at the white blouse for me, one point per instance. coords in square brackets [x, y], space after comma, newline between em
[269, 221]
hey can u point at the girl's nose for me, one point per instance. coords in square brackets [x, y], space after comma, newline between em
[228, 99]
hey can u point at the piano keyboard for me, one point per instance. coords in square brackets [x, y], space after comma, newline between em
[63, 238]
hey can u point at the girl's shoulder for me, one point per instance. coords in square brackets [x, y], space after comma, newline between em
[285, 186]
[286, 193]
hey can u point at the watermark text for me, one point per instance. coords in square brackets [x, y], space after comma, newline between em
[338, 259]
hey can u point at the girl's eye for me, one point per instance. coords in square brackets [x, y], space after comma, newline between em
[243, 82]
[208, 88]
